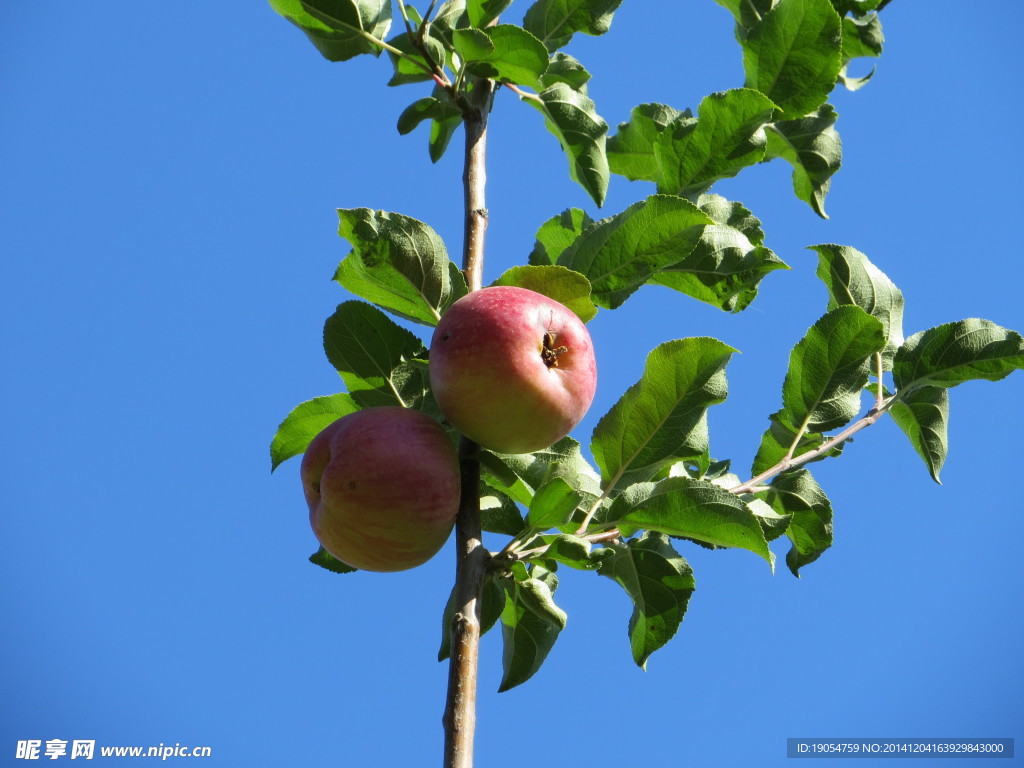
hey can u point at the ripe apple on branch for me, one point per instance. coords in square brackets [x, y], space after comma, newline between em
[510, 368]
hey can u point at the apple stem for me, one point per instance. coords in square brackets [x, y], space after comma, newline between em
[473, 559]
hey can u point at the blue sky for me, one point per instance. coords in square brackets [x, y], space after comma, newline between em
[168, 235]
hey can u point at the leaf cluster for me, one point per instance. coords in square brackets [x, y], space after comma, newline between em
[653, 484]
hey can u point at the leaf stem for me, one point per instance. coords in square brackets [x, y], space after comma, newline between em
[405, 18]
[431, 69]
[472, 558]
[605, 492]
[879, 372]
[430, 10]
[524, 94]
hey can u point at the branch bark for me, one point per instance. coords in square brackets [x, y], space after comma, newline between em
[473, 559]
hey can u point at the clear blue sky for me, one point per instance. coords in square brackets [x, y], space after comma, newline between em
[168, 180]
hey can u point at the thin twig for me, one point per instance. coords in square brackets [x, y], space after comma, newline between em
[790, 463]
[472, 558]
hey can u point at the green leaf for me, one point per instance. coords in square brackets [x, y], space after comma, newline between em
[773, 524]
[506, 52]
[492, 602]
[427, 108]
[520, 475]
[777, 440]
[572, 118]
[659, 582]
[398, 263]
[368, 350]
[558, 233]
[727, 136]
[862, 37]
[856, 7]
[852, 279]
[450, 15]
[414, 67]
[325, 559]
[631, 150]
[953, 353]
[798, 494]
[305, 422]
[563, 68]
[552, 505]
[559, 283]
[530, 625]
[747, 13]
[811, 145]
[621, 253]
[341, 40]
[441, 133]
[555, 21]
[923, 415]
[483, 12]
[828, 368]
[499, 514]
[694, 509]
[572, 551]
[793, 55]
[724, 269]
[445, 117]
[372, 16]
[733, 214]
[660, 419]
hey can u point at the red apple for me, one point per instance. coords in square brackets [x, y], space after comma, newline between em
[382, 486]
[512, 369]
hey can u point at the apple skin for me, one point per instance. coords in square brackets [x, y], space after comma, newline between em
[512, 369]
[382, 485]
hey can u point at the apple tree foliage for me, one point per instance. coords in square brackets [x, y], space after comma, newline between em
[653, 486]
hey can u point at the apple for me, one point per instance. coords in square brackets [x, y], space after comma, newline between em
[512, 369]
[382, 486]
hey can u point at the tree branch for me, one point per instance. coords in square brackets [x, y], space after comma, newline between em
[790, 463]
[473, 558]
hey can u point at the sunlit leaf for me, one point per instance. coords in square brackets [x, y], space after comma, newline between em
[658, 419]
[923, 415]
[793, 55]
[659, 582]
[557, 234]
[572, 118]
[953, 353]
[506, 53]
[483, 12]
[559, 283]
[694, 509]
[812, 146]
[556, 21]
[724, 269]
[852, 279]
[326, 560]
[368, 350]
[631, 150]
[828, 368]
[563, 68]
[621, 253]
[530, 623]
[305, 422]
[338, 37]
[398, 263]
[727, 136]
[798, 494]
